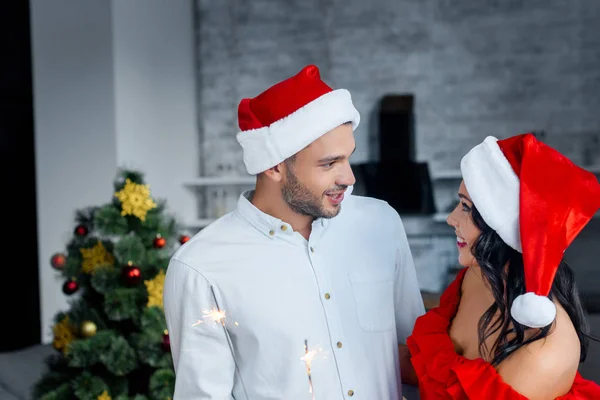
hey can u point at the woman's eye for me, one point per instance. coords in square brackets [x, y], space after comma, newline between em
[465, 207]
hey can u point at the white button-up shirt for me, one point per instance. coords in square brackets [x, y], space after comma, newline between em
[347, 296]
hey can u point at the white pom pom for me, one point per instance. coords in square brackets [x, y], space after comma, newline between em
[532, 310]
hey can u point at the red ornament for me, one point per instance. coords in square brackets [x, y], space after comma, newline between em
[159, 242]
[58, 261]
[166, 342]
[70, 286]
[81, 230]
[183, 239]
[131, 274]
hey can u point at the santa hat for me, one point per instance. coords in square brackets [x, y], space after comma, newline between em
[537, 201]
[289, 116]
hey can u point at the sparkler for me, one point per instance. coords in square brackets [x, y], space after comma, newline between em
[307, 358]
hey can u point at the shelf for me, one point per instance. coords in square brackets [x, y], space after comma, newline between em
[221, 180]
[594, 169]
[200, 223]
[440, 217]
[446, 175]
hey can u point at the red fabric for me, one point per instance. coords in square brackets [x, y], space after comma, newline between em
[282, 99]
[557, 199]
[445, 375]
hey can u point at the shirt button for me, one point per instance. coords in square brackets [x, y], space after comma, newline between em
[283, 228]
[339, 345]
[327, 296]
[271, 232]
[350, 392]
[312, 249]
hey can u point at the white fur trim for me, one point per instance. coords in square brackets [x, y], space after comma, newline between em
[533, 310]
[494, 188]
[266, 147]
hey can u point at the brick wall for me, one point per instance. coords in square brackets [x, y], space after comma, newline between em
[490, 67]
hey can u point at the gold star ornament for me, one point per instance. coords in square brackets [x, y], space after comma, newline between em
[135, 200]
[95, 257]
[104, 396]
[155, 289]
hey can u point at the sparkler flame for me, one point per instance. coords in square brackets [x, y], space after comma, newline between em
[216, 315]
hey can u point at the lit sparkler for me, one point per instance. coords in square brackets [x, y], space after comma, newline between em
[308, 358]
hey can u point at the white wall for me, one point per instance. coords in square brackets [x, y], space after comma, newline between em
[113, 87]
[153, 48]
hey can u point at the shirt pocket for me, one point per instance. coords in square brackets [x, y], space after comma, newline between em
[374, 300]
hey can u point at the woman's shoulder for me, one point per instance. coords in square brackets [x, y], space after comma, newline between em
[547, 367]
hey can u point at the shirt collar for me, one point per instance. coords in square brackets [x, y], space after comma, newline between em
[267, 224]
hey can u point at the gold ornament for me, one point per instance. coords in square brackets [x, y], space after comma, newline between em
[104, 396]
[135, 199]
[155, 289]
[95, 257]
[64, 333]
[88, 329]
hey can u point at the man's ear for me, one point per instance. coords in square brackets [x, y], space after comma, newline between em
[275, 173]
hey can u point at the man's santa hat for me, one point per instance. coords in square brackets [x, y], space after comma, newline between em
[537, 201]
[289, 116]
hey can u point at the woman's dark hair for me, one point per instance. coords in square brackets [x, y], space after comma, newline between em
[492, 255]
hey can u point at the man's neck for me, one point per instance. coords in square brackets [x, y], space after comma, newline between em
[270, 202]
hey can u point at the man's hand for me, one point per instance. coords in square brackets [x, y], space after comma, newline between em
[407, 371]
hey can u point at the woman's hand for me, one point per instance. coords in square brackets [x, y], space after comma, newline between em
[407, 371]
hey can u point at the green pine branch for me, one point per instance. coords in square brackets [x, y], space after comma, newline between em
[153, 321]
[109, 221]
[162, 384]
[150, 352]
[106, 279]
[62, 392]
[130, 249]
[124, 303]
[88, 386]
[120, 359]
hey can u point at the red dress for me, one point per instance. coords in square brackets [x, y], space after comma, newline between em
[445, 375]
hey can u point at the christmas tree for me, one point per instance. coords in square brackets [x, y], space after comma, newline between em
[112, 343]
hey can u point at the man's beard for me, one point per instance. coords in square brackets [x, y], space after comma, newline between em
[302, 201]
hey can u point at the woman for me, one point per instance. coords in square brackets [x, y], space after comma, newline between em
[511, 325]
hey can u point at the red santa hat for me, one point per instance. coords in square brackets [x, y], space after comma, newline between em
[537, 201]
[289, 116]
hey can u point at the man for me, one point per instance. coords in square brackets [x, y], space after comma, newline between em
[303, 288]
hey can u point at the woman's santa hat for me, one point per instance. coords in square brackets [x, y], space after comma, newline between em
[537, 201]
[290, 115]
